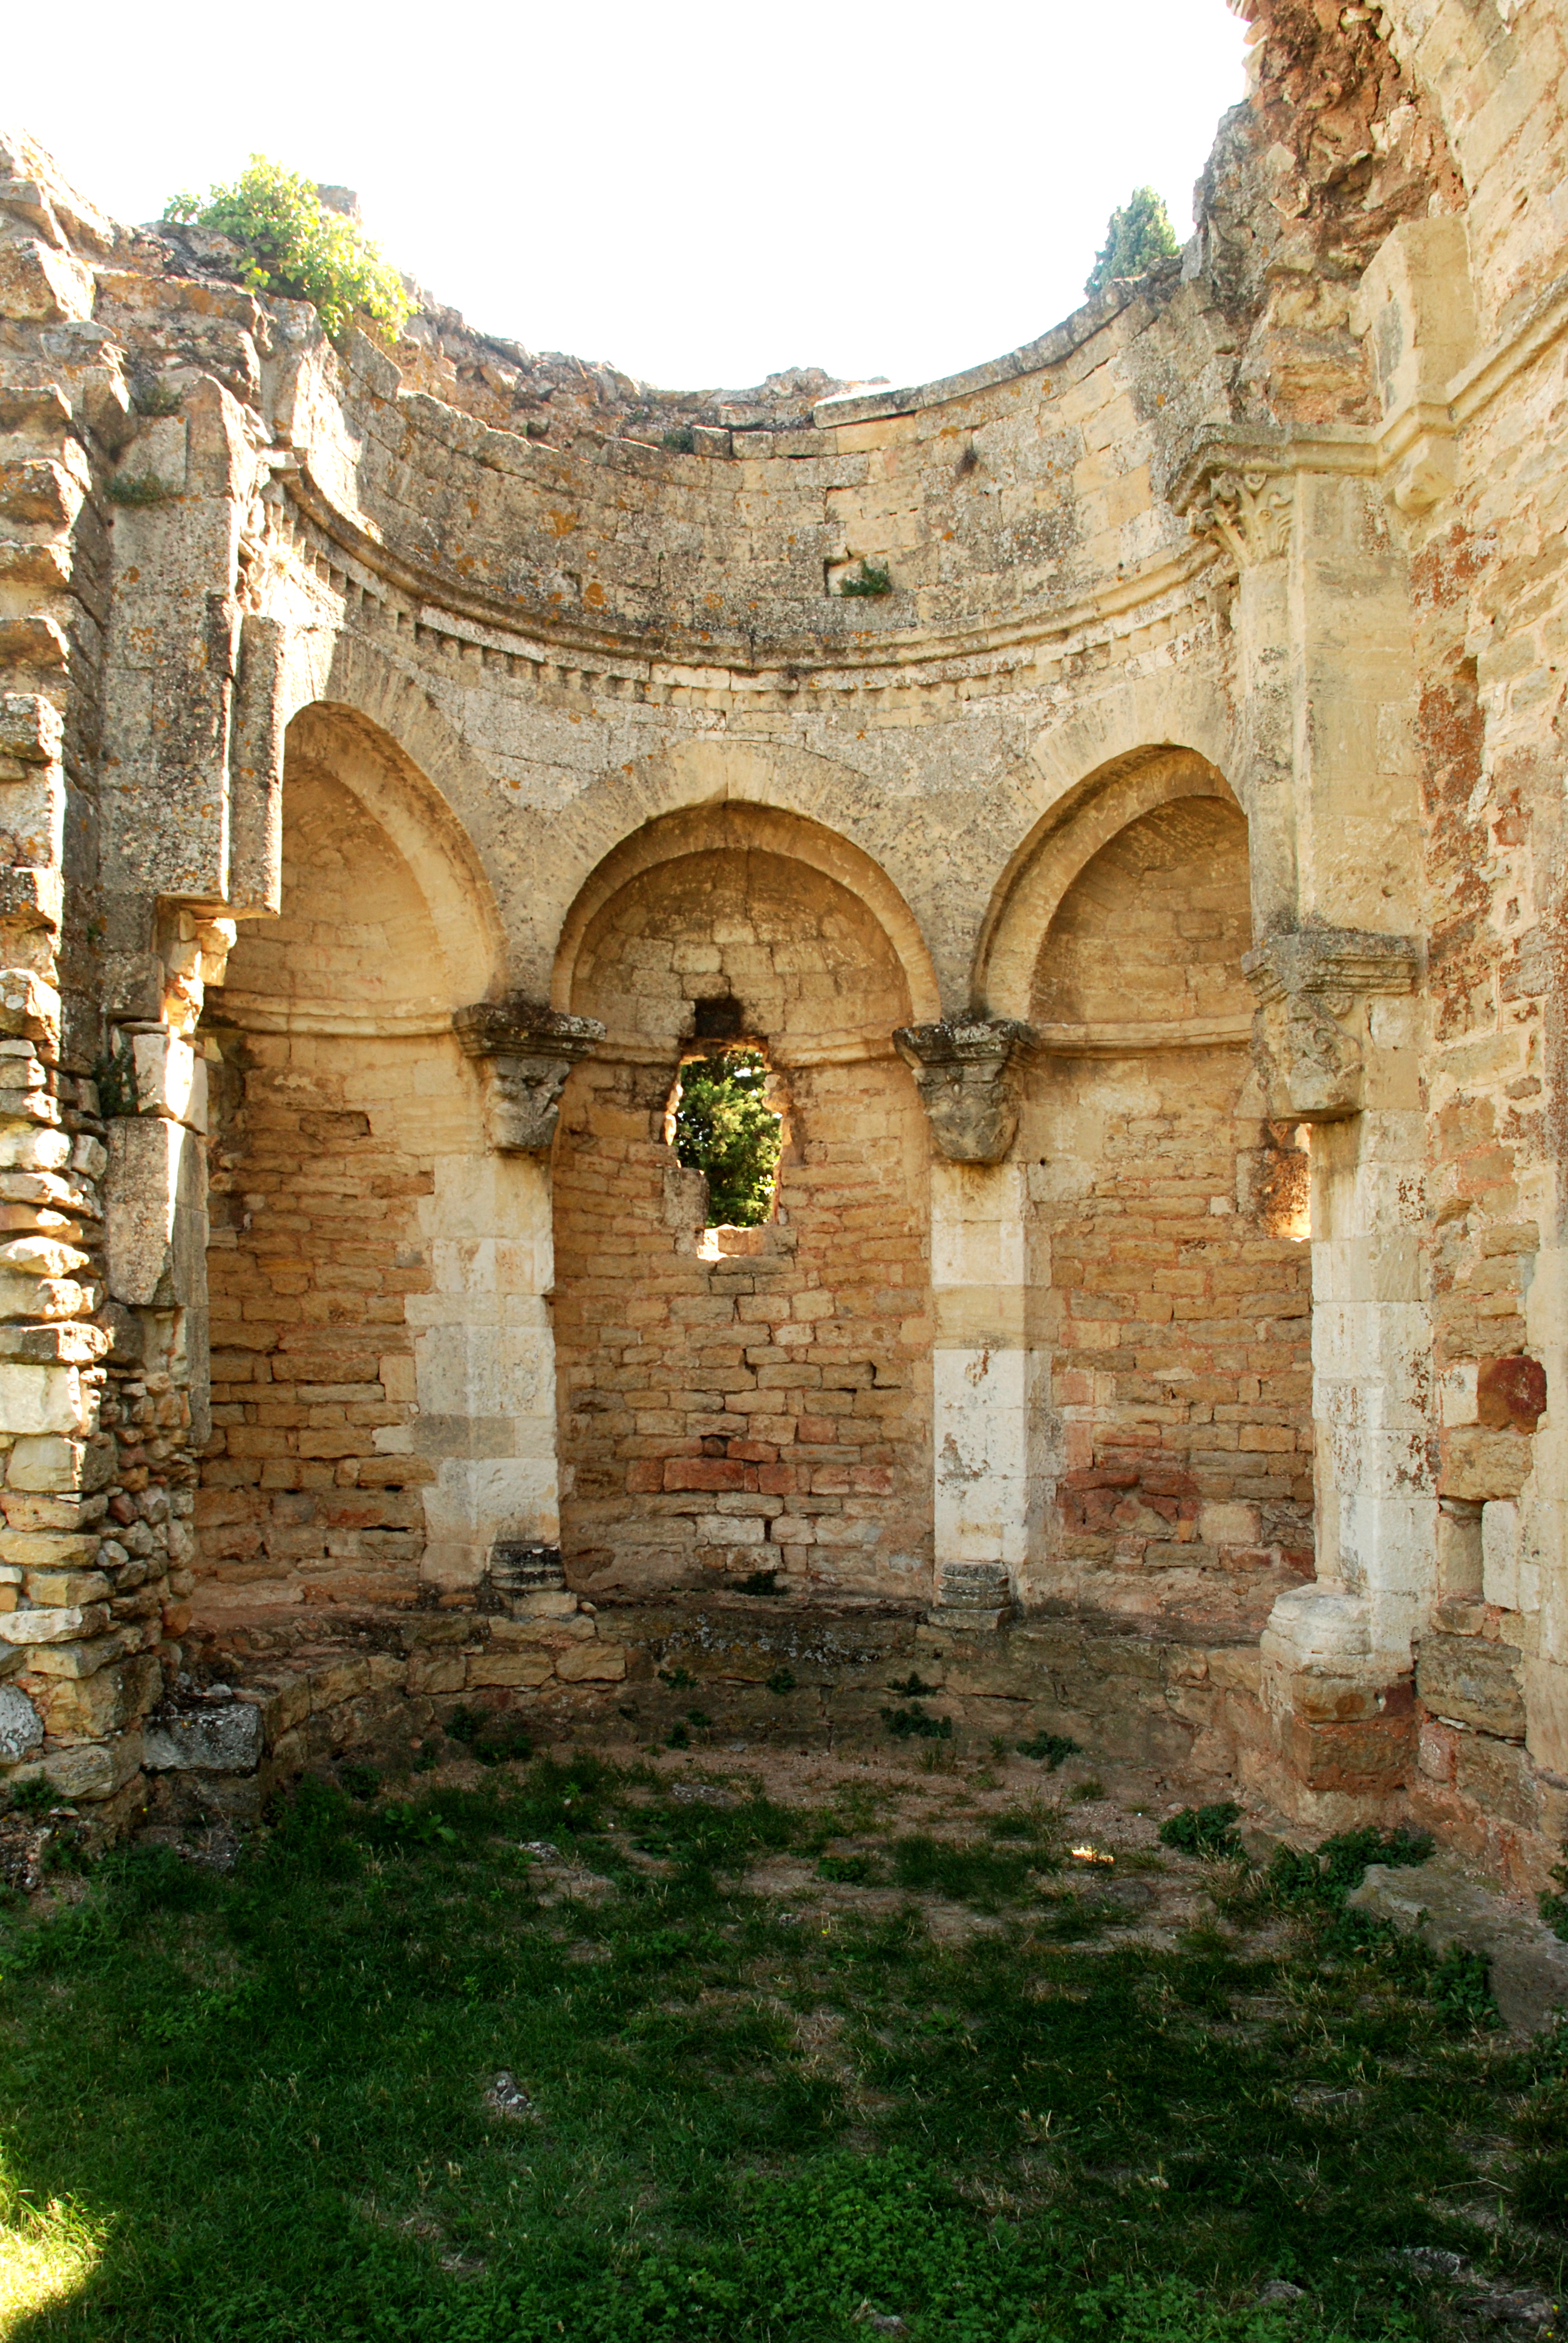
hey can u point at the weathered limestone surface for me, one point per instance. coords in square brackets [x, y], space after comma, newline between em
[1149, 912]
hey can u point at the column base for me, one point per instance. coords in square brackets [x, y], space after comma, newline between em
[1340, 1716]
[973, 1597]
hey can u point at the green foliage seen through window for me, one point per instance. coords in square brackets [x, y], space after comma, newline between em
[298, 248]
[1138, 234]
[723, 1126]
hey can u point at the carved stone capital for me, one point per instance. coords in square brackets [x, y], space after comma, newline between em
[1239, 492]
[963, 1071]
[1247, 512]
[1312, 990]
[524, 1053]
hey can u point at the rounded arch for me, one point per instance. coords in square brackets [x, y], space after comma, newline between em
[333, 746]
[1060, 845]
[731, 827]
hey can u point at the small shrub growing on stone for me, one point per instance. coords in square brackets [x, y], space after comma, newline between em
[137, 488]
[870, 578]
[681, 441]
[291, 244]
[1554, 1906]
[780, 1681]
[155, 396]
[912, 1688]
[914, 1724]
[1049, 1749]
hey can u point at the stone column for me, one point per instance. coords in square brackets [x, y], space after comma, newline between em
[484, 1348]
[1328, 775]
[1338, 1036]
[982, 1369]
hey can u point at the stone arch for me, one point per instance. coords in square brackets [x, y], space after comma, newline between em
[756, 1400]
[741, 828]
[335, 750]
[1173, 1323]
[382, 1378]
[868, 838]
[1078, 826]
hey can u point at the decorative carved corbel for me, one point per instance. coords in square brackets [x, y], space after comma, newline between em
[1308, 985]
[963, 1071]
[524, 1054]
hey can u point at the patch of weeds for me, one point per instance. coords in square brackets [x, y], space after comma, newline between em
[1203, 1830]
[115, 1078]
[913, 1688]
[1084, 1793]
[1049, 1749]
[987, 1876]
[681, 441]
[494, 1739]
[361, 1782]
[676, 1679]
[872, 578]
[138, 488]
[1540, 2192]
[155, 396]
[846, 1870]
[700, 1719]
[1320, 1878]
[1018, 1826]
[916, 1723]
[425, 1760]
[760, 1582]
[1554, 1904]
[1461, 1986]
[677, 1737]
[34, 1797]
[780, 1681]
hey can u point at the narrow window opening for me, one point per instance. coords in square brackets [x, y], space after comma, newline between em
[720, 1123]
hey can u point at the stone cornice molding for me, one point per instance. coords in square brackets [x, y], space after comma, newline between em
[963, 1071]
[1345, 960]
[1228, 485]
[1308, 1035]
[524, 1053]
[787, 664]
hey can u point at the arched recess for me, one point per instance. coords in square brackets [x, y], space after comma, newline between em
[1078, 824]
[738, 827]
[758, 1401]
[1169, 1305]
[382, 1384]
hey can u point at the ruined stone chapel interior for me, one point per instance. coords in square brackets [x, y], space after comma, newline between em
[1145, 908]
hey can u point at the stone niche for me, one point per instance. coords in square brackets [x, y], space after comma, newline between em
[763, 1414]
[1178, 1324]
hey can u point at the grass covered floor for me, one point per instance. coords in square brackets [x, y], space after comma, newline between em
[779, 2069]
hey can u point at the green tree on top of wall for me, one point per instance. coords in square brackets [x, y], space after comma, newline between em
[295, 245]
[723, 1126]
[1138, 233]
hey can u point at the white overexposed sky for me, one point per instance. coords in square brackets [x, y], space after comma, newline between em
[700, 196]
